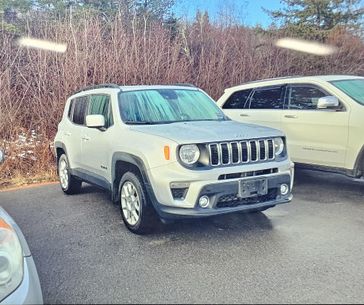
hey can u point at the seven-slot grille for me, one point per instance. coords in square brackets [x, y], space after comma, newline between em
[241, 152]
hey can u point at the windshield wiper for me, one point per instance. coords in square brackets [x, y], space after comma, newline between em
[171, 122]
[139, 123]
[148, 123]
[217, 120]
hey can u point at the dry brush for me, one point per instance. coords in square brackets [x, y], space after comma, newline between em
[34, 84]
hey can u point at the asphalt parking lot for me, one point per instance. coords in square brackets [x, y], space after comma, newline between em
[308, 251]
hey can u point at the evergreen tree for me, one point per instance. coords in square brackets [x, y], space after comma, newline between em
[315, 19]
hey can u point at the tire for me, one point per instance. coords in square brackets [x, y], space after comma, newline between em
[70, 184]
[137, 211]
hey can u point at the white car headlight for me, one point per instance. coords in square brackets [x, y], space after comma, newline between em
[189, 154]
[278, 146]
[11, 259]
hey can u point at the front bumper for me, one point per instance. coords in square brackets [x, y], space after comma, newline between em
[217, 191]
[29, 291]
[209, 185]
[175, 213]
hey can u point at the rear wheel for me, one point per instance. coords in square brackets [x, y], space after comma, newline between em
[137, 212]
[69, 184]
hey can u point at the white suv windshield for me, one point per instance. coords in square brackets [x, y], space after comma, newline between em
[352, 87]
[160, 106]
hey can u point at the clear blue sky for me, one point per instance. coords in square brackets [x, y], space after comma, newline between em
[248, 12]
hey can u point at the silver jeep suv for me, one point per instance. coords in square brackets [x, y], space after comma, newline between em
[168, 152]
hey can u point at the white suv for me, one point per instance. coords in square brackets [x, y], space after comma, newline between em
[322, 117]
[169, 151]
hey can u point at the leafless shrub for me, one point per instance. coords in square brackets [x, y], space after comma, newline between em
[34, 84]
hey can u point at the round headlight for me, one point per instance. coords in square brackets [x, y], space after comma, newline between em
[278, 146]
[189, 154]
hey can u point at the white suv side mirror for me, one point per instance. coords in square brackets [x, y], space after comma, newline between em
[95, 121]
[2, 156]
[327, 101]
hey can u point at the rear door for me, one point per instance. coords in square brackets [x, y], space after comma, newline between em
[236, 104]
[314, 136]
[73, 131]
[261, 106]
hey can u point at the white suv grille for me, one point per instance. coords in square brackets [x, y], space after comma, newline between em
[226, 153]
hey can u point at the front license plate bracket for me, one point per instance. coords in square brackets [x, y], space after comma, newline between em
[253, 188]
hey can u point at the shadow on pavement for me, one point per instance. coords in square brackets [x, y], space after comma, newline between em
[236, 223]
[327, 187]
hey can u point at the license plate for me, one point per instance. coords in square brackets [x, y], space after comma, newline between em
[253, 188]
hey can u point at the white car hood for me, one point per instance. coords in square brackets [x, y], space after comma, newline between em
[208, 131]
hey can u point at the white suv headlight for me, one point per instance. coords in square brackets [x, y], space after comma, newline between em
[189, 154]
[278, 146]
[11, 259]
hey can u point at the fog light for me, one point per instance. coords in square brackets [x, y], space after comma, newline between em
[284, 189]
[204, 201]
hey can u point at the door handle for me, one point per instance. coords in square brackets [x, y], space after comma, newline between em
[86, 138]
[244, 114]
[290, 116]
[67, 134]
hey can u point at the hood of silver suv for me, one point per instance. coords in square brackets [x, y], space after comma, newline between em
[208, 131]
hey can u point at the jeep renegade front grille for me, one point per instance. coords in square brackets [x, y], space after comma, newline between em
[241, 152]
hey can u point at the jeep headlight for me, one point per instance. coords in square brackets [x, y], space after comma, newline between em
[189, 154]
[278, 146]
[11, 259]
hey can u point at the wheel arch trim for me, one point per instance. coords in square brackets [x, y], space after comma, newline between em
[57, 145]
[359, 163]
[139, 163]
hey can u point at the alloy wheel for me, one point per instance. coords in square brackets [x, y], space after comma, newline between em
[130, 203]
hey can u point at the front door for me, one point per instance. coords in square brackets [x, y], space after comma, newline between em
[96, 143]
[314, 136]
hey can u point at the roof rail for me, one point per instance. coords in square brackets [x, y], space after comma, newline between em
[100, 86]
[184, 85]
[268, 79]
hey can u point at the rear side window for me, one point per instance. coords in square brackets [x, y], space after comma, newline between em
[79, 110]
[267, 98]
[238, 100]
[70, 110]
[304, 97]
[100, 104]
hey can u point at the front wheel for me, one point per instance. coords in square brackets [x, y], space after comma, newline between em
[69, 184]
[137, 212]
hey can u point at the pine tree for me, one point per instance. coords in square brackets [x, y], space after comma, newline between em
[316, 18]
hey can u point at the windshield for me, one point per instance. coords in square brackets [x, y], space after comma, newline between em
[167, 106]
[352, 87]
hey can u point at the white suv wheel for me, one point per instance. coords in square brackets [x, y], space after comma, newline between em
[130, 203]
[63, 173]
[69, 184]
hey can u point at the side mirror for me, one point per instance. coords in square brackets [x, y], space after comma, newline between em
[95, 121]
[327, 102]
[2, 156]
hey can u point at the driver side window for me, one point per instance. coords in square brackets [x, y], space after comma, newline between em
[100, 104]
[304, 97]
